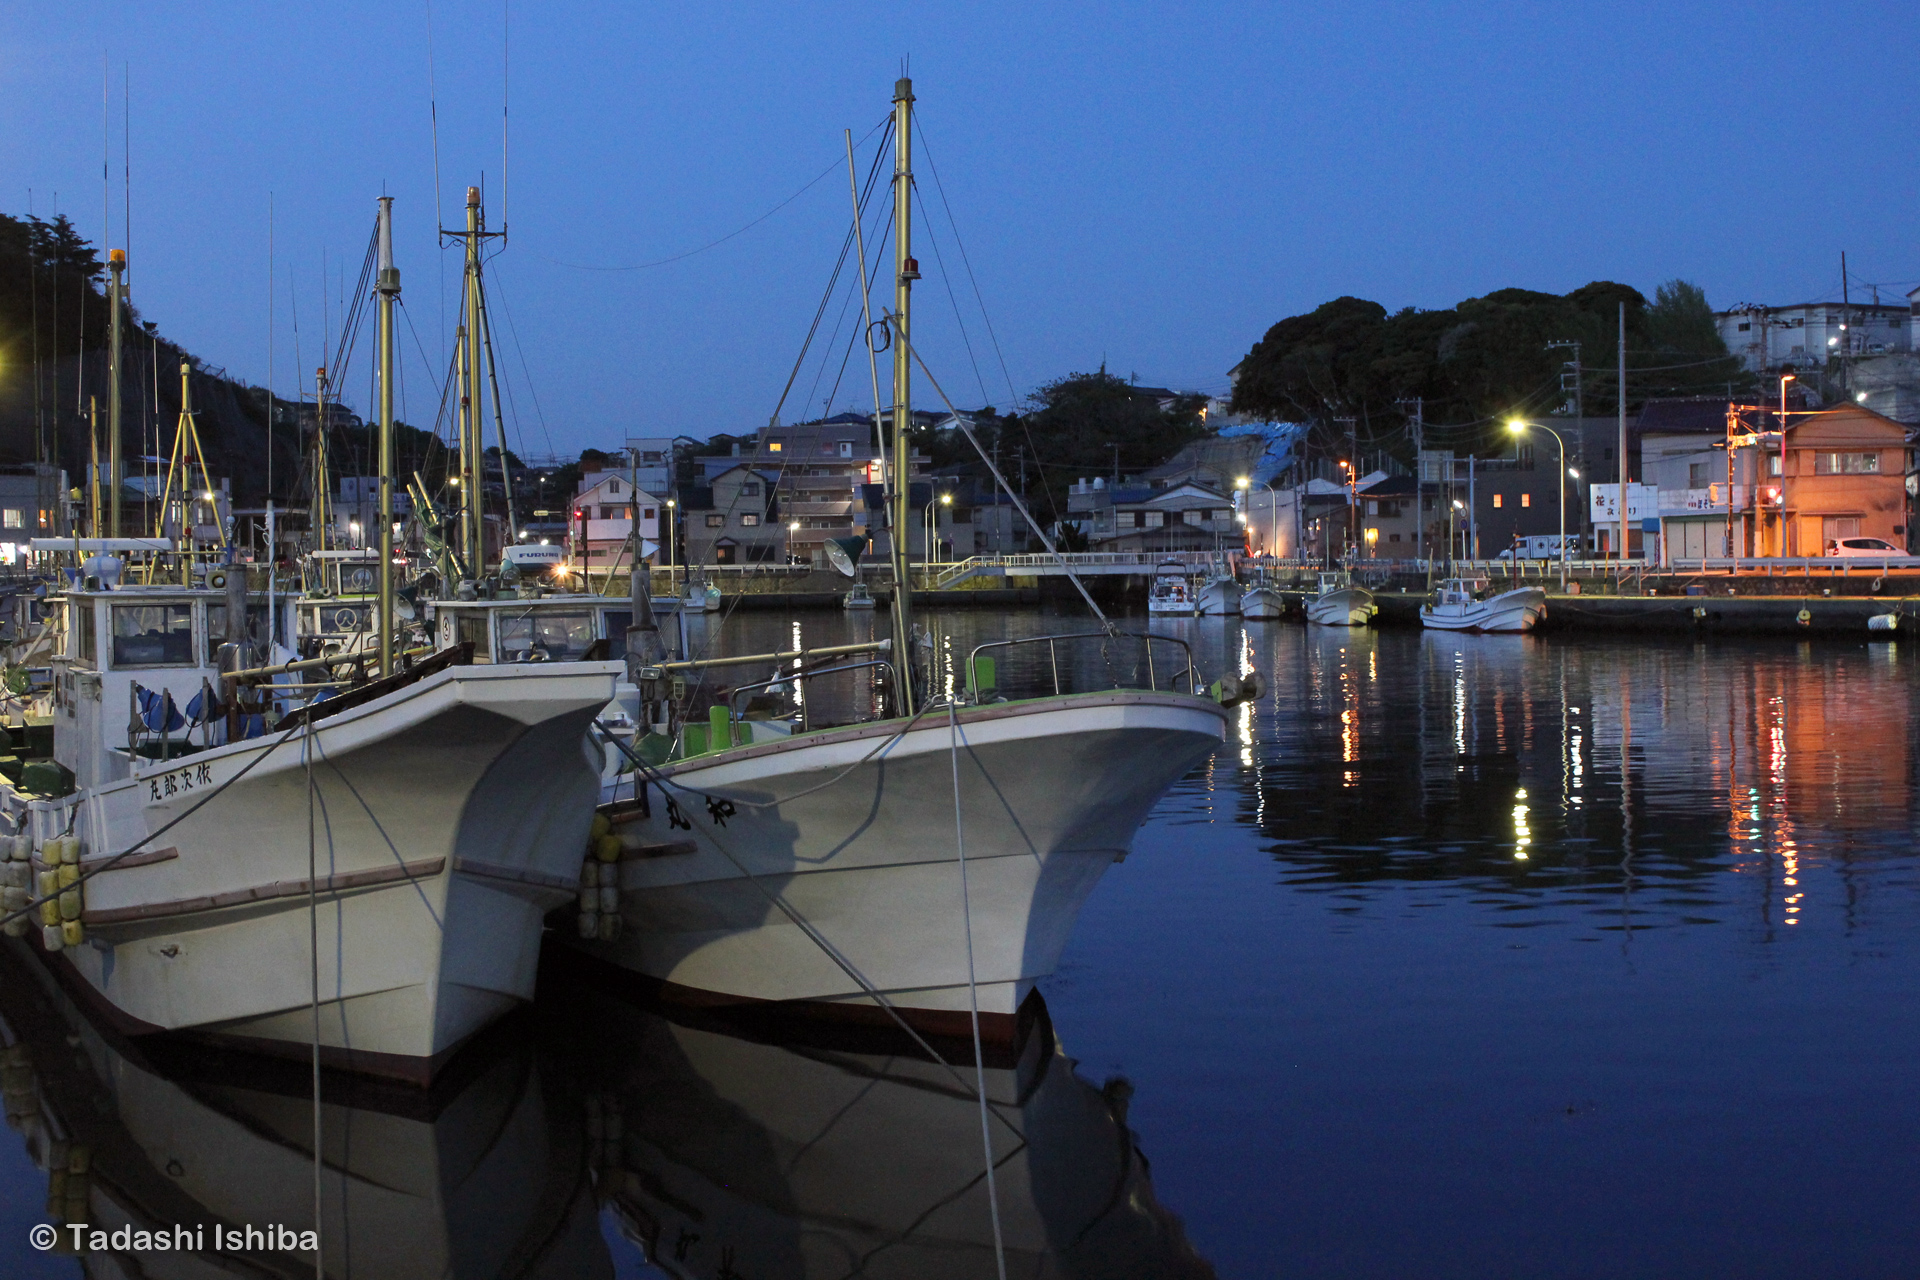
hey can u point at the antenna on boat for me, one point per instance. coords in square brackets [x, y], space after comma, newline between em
[905, 272]
[473, 344]
[387, 286]
[182, 489]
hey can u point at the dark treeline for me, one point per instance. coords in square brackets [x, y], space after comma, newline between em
[1479, 362]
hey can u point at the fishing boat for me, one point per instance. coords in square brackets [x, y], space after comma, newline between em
[755, 1152]
[1463, 604]
[914, 866]
[201, 1163]
[1171, 593]
[857, 597]
[1339, 603]
[1219, 596]
[364, 876]
[1262, 601]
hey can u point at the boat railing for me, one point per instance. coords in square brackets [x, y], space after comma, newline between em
[984, 679]
[798, 679]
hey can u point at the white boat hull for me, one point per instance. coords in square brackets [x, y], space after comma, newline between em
[1262, 604]
[448, 817]
[864, 852]
[1347, 607]
[1518, 610]
[1220, 598]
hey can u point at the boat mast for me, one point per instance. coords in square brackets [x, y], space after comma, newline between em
[387, 285]
[117, 264]
[906, 271]
[320, 483]
[474, 528]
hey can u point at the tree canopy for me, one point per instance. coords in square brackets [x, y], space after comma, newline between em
[1481, 360]
[1073, 424]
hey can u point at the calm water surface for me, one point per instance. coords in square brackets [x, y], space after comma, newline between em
[1466, 956]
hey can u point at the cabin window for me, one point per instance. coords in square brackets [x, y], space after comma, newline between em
[546, 637]
[152, 635]
[1846, 464]
[473, 628]
[82, 617]
[217, 634]
[616, 622]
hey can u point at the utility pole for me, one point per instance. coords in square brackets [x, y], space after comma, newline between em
[1846, 329]
[1414, 407]
[1622, 354]
[1572, 368]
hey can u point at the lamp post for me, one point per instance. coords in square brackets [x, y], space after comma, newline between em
[1519, 428]
[673, 585]
[1785, 378]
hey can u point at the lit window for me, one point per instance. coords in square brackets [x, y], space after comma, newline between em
[1496, 500]
[1526, 499]
[748, 519]
[715, 520]
[773, 446]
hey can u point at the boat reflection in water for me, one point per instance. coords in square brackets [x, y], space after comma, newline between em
[482, 1176]
[726, 1154]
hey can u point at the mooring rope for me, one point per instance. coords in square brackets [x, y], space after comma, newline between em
[973, 993]
[313, 942]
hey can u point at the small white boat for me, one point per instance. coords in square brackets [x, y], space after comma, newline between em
[1461, 604]
[857, 597]
[1338, 603]
[1262, 603]
[1219, 597]
[1171, 593]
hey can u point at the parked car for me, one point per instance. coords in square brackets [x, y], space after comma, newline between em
[1875, 548]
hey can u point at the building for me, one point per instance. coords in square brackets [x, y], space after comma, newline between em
[1806, 334]
[33, 504]
[741, 523]
[1185, 517]
[602, 522]
[1841, 473]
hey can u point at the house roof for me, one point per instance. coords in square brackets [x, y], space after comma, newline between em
[1392, 487]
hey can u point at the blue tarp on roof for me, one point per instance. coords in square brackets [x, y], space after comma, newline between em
[1282, 438]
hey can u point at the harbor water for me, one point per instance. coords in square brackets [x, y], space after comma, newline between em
[1464, 956]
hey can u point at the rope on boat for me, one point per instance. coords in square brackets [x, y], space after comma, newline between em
[137, 845]
[800, 922]
[973, 993]
[313, 943]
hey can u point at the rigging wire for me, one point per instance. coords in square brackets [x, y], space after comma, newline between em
[533, 388]
[1013, 397]
[714, 244]
[946, 278]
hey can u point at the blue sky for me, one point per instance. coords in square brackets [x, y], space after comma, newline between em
[1149, 184]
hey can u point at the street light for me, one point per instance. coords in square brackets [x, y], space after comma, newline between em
[673, 586]
[1519, 428]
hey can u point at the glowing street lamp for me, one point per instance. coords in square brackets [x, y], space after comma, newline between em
[1519, 428]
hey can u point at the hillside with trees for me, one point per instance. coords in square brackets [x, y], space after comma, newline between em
[1479, 362]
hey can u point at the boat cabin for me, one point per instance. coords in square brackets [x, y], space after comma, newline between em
[1335, 580]
[1460, 590]
[136, 674]
[571, 628]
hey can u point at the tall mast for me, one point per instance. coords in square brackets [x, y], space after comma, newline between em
[387, 285]
[905, 272]
[475, 528]
[320, 486]
[117, 264]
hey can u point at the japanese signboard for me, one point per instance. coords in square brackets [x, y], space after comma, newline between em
[1643, 502]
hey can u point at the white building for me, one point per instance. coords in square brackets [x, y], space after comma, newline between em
[602, 520]
[1808, 333]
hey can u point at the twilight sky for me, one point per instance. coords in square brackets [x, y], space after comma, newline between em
[1152, 185]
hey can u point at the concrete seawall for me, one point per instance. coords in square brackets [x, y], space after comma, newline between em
[1778, 615]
